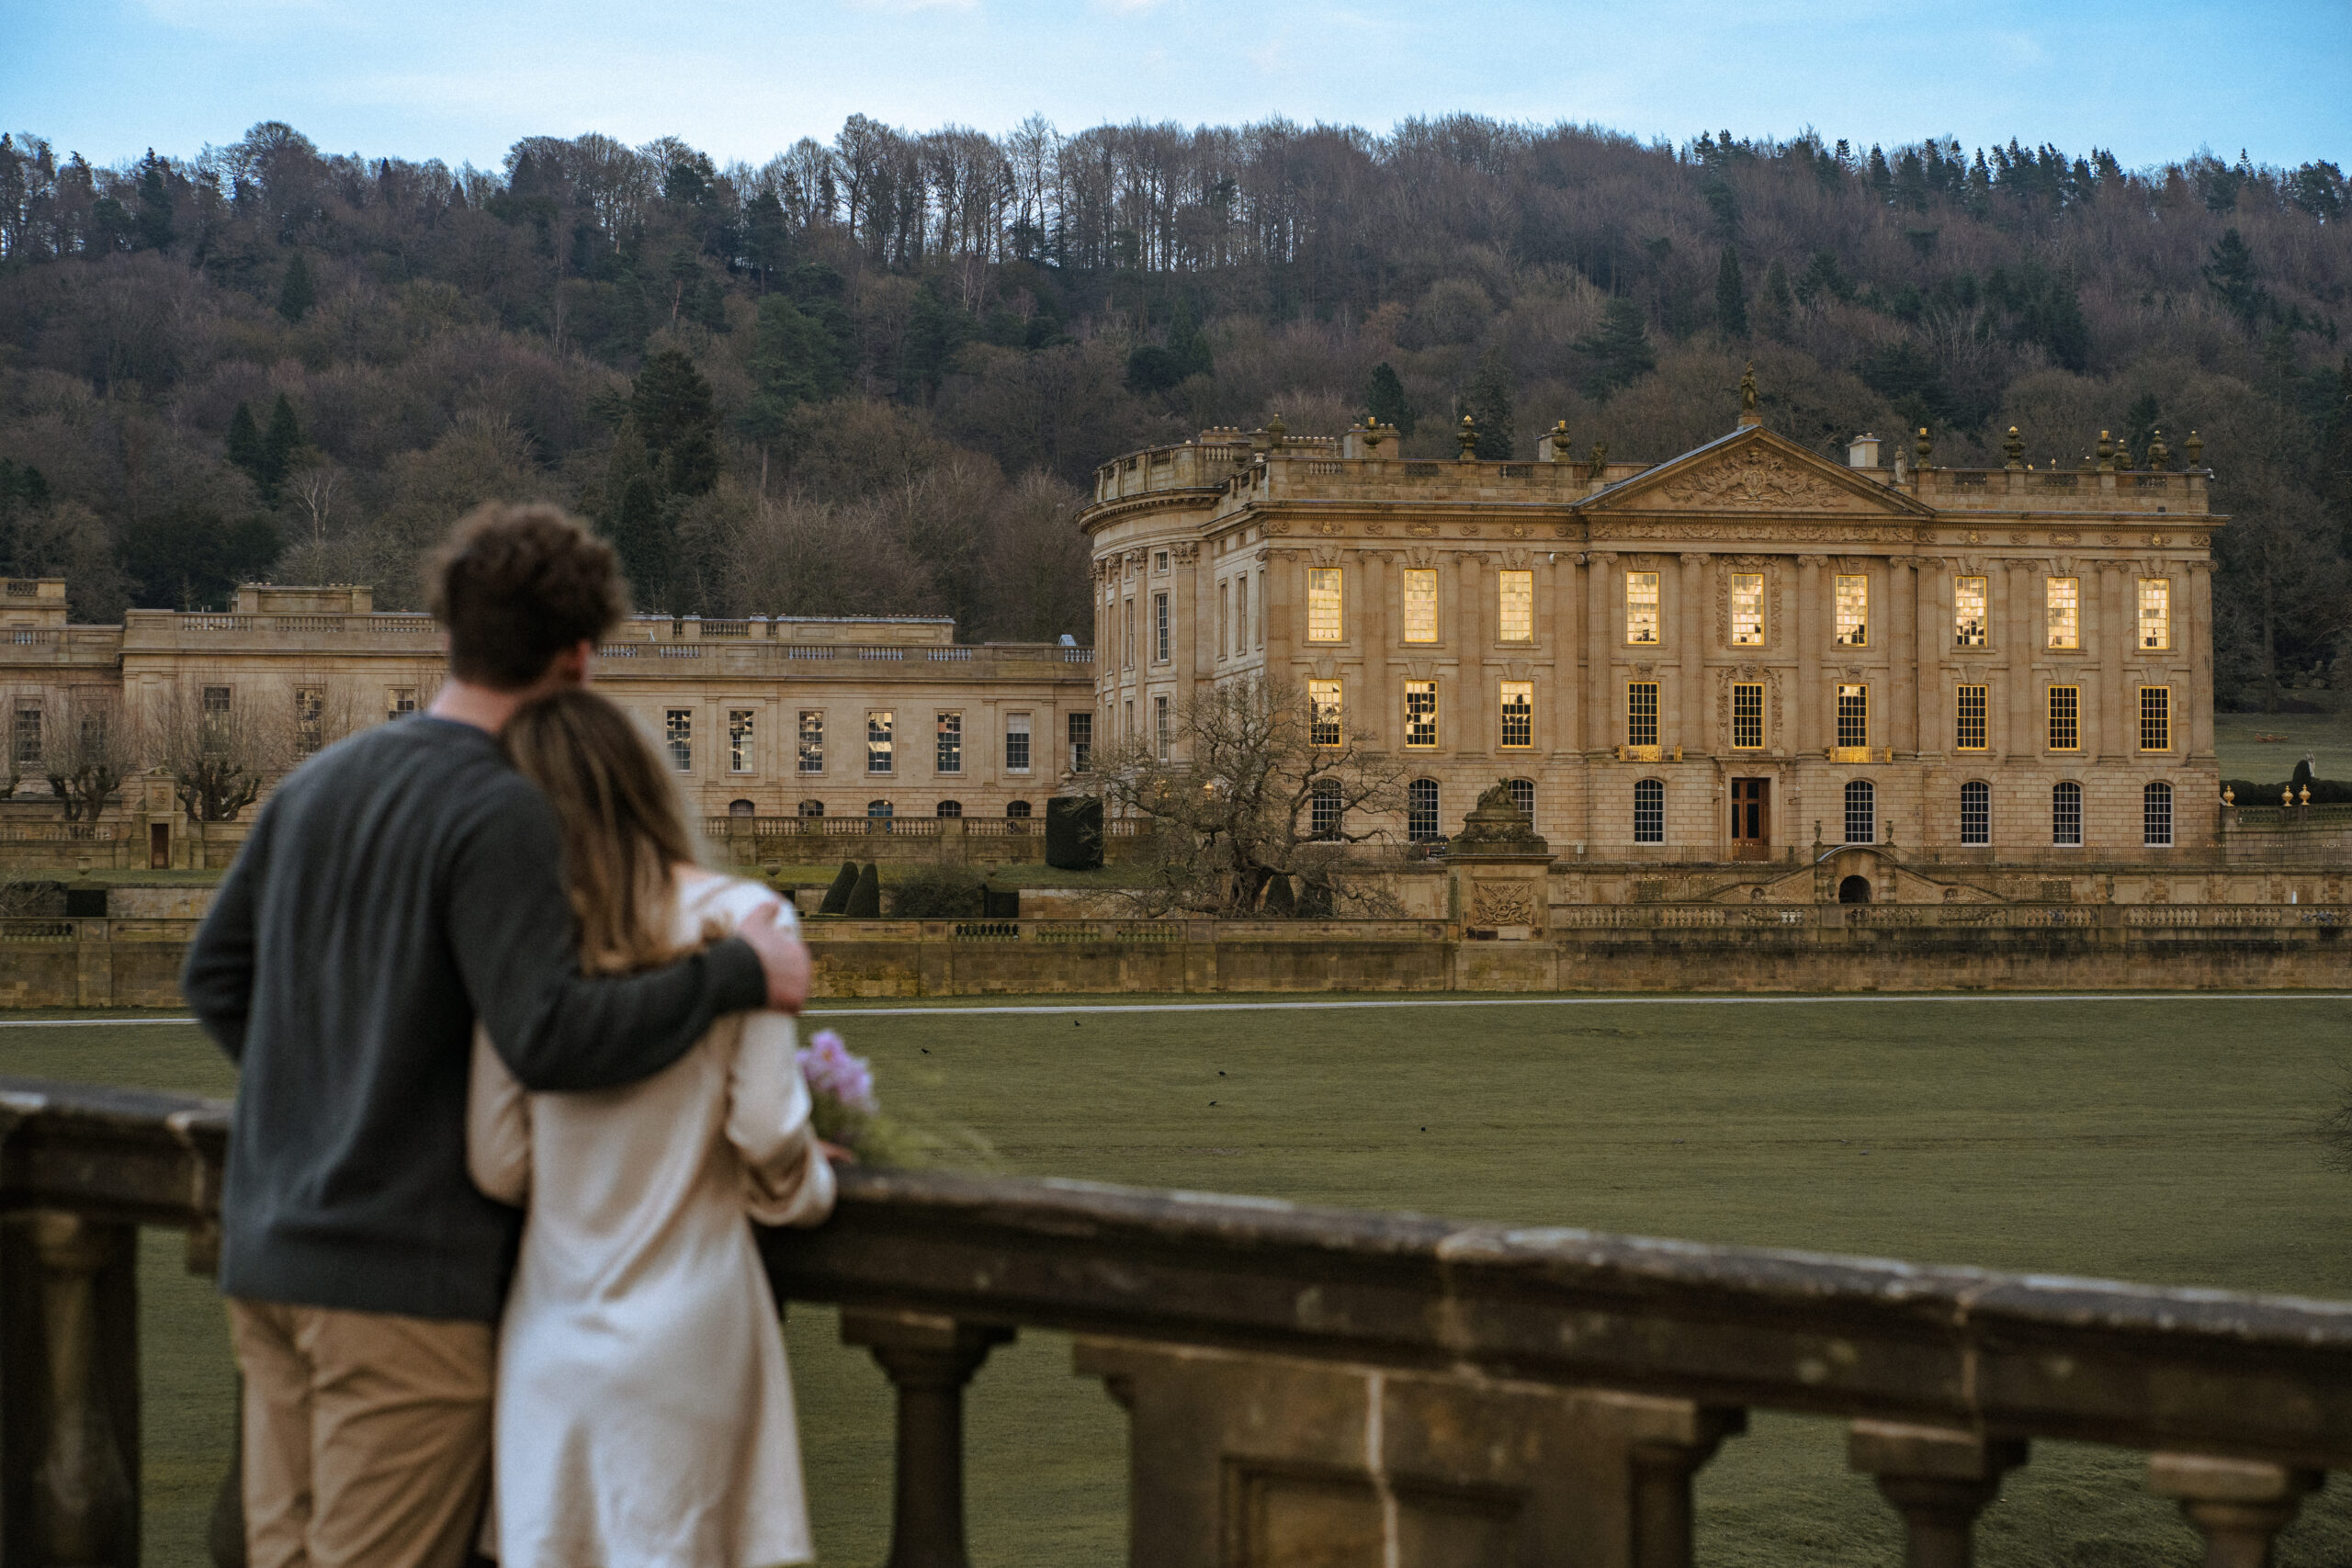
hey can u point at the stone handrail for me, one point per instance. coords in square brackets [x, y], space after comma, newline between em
[1412, 1342]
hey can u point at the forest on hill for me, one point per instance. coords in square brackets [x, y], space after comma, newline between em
[874, 374]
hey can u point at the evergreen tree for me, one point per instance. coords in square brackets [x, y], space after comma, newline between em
[793, 361]
[2139, 427]
[2335, 451]
[1731, 296]
[295, 295]
[836, 900]
[2230, 274]
[1490, 407]
[1386, 398]
[865, 899]
[279, 442]
[245, 441]
[155, 204]
[1776, 307]
[1618, 354]
[671, 403]
[1189, 346]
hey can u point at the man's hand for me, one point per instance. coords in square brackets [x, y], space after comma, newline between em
[782, 958]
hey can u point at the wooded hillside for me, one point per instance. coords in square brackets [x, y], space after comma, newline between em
[870, 377]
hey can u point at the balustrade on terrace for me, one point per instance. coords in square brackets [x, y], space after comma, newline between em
[1302, 1385]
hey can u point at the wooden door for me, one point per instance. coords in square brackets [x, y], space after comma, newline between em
[1751, 819]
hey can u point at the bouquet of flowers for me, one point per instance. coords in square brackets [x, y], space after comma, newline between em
[845, 1111]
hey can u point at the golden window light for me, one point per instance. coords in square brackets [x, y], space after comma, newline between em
[2155, 719]
[1853, 716]
[1518, 713]
[1641, 608]
[1421, 714]
[1323, 603]
[1420, 604]
[1747, 716]
[1515, 619]
[1747, 609]
[2062, 596]
[2155, 613]
[1968, 612]
[1323, 713]
[1641, 713]
[1853, 610]
[1968, 729]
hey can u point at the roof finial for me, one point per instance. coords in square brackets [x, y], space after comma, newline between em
[1468, 437]
[2013, 451]
[1747, 414]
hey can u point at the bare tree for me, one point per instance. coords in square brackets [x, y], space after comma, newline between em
[1246, 809]
[86, 752]
[218, 752]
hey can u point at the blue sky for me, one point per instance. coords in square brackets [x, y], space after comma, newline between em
[461, 79]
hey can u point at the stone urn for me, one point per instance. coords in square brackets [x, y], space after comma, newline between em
[1499, 869]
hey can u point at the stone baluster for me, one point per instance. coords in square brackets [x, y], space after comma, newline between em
[928, 1359]
[2238, 1505]
[1662, 1465]
[68, 1391]
[1939, 1479]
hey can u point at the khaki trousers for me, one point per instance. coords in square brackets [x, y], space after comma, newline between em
[366, 1436]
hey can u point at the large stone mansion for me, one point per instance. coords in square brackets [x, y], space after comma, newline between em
[1740, 654]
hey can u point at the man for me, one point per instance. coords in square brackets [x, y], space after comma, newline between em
[400, 885]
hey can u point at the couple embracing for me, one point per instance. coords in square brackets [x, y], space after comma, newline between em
[470, 971]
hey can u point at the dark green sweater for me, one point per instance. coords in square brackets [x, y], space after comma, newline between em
[398, 887]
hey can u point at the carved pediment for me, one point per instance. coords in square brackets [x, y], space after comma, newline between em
[1752, 472]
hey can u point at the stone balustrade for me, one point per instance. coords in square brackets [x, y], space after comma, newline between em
[1302, 1383]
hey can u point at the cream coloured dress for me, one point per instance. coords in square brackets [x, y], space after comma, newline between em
[644, 1415]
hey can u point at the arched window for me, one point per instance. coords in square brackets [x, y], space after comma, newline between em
[951, 808]
[1522, 794]
[1977, 812]
[2155, 815]
[1862, 812]
[1649, 811]
[1017, 809]
[1420, 811]
[1324, 809]
[742, 808]
[877, 809]
[2066, 813]
[812, 808]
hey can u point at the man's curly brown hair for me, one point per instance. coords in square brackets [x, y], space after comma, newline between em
[517, 584]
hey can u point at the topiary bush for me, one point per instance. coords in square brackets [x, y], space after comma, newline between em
[865, 899]
[938, 893]
[837, 896]
[1074, 832]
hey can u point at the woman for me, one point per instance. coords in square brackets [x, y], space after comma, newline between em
[644, 1412]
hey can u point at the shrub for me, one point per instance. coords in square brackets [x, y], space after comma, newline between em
[837, 896]
[938, 893]
[865, 899]
[1074, 832]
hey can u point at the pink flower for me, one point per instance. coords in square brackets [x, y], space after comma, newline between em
[831, 1071]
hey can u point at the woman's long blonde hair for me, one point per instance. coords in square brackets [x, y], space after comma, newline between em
[623, 827]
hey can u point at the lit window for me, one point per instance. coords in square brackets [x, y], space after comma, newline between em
[1853, 716]
[1649, 811]
[1324, 809]
[1159, 628]
[1323, 713]
[1421, 810]
[2155, 613]
[741, 757]
[309, 719]
[812, 741]
[2064, 600]
[1016, 741]
[1515, 619]
[2155, 719]
[1323, 603]
[1421, 714]
[1976, 812]
[1968, 614]
[399, 702]
[948, 751]
[880, 747]
[1641, 608]
[2065, 718]
[1748, 716]
[1163, 730]
[1518, 713]
[1641, 713]
[2155, 816]
[1969, 732]
[1082, 742]
[2066, 813]
[1420, 604]
[1853, 610]
[1747, 609]
[1862, 812]
[680, 731]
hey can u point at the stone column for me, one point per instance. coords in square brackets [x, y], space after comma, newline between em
[1556, 630]
[1689, 728]
[928, 1359]
[2196, 634]
[1901, 704]
[1601, 640]
[1192, 618]
[2118, 639]
[1278, 611]
[1369, 700]
[1810, 700]
[1472, 695]
[1939, 1479]
[2238, 1505]
[2021, 650]
[68, 1391]
[1933, 726]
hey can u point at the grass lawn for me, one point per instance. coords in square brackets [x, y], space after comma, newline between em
[2159, 1141]
[2326, 736]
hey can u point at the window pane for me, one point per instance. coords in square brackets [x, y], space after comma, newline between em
[679, 730]
[1420, 604]
[739, 753]
[1747, 609]
[1968, 612]
[1082, 742]
[1323, 713]
[1016, 741]
[1323, 808]
[1163, 730]
[1748, 716]
[2067, 814]
[1516, 622]
[1159, 627]
[2155, 612]
[1641, 608]
[1421, 810]
[1518, 713]
[1522, 794]
[2063, 597]
[1976, 812]
[2065, 718]
[1862, 812]
[1323, 603]
[1969, 721]
[1641, 713]
[880, 749]
[1420, 713]
[951, 808]
[948, 755]
[2155, 719]
[1853, 716]
[1649, 812]
[1853, 611]
[2155, 815]
[812, 741]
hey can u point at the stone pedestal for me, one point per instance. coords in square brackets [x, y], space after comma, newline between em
[1497, 873]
